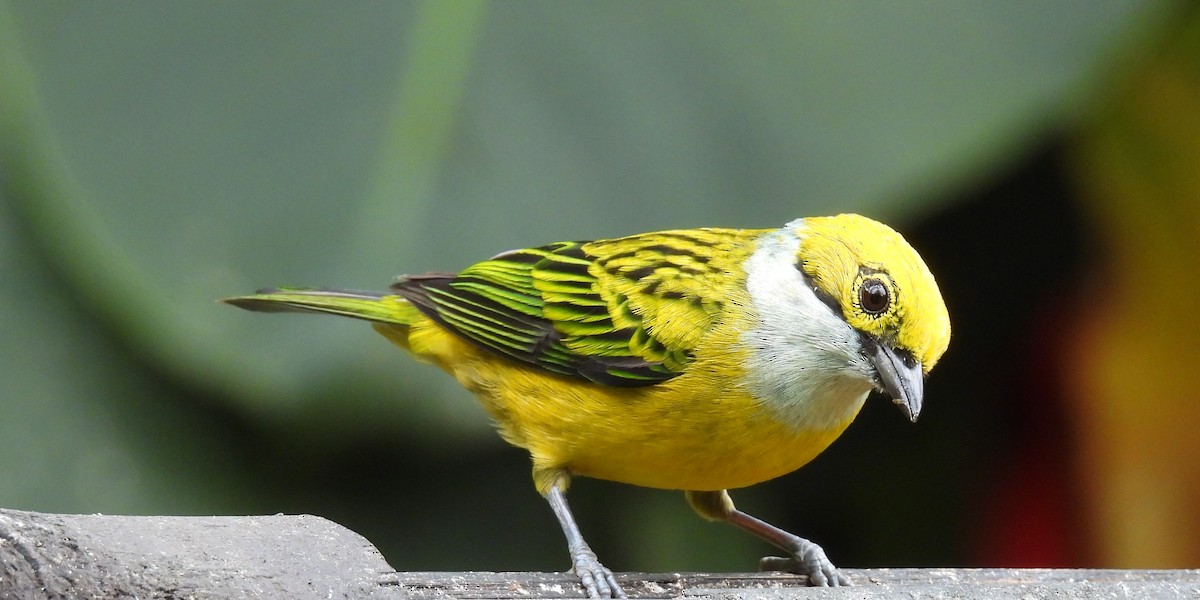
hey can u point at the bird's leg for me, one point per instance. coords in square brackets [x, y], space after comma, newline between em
[597, 580]
[807, 558]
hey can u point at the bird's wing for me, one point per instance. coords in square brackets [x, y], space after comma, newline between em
[622, 312]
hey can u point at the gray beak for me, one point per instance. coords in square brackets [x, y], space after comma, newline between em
[900, 376]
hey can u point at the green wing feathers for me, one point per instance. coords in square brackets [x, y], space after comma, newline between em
[369, 306]
[621, 312]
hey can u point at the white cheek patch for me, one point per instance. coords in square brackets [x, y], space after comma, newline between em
[806, 364]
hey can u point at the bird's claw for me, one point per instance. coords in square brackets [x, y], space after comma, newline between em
[597, 580]
[810, 562]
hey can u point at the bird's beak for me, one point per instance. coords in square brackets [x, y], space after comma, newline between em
[900, 376]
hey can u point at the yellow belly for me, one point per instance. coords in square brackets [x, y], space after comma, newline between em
[698, 431]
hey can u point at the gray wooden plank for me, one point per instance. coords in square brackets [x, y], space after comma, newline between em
[298, 557]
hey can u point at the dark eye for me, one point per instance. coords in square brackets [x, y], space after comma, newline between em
[874, 296]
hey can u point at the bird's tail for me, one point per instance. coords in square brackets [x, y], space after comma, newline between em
[369, 306]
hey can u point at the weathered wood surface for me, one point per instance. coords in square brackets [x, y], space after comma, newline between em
[49, 556]
[869, 584]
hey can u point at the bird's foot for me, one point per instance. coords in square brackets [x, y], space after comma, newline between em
[597, 580]
[809, 560]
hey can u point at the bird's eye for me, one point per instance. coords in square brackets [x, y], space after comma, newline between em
[873, 296]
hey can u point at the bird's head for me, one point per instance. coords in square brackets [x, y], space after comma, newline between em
[868, 275]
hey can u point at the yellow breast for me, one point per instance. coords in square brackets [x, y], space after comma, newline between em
[702, 430]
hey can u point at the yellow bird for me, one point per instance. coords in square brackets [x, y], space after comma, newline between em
[698, 360]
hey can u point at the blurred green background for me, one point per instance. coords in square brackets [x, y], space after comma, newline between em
[155, 157]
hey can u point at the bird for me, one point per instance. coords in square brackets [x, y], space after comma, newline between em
[699, 360]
